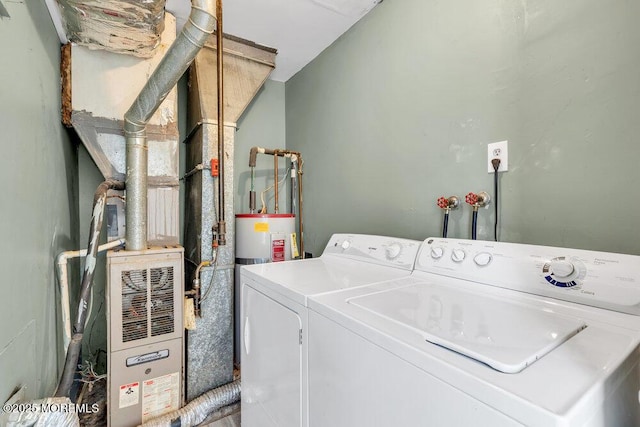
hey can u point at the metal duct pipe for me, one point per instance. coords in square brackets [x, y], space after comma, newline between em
[222, 225]
[176, 61]
[71, 361]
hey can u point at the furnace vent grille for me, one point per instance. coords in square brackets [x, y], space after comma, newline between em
[162, 301]
[134, 305]
[143, 289]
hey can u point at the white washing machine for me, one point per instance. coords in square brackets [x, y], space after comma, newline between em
[482, 334]
[274, 318]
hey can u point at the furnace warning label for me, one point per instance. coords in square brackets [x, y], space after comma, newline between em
[129, 395]
[160, 395]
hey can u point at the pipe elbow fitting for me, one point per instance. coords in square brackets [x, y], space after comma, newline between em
[61, 258]
[253, 156]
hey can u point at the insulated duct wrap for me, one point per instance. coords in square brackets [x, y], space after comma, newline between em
[123, 26]
[198, 409]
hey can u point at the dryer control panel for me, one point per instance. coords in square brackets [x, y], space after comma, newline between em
[381, 250]
[600, 279]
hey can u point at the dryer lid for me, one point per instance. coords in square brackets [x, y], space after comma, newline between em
[505, 335]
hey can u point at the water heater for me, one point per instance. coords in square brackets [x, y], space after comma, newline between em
[264, 238]
[144, 334]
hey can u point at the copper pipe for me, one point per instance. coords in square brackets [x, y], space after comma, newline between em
[222, 227]
[300, 205]
[253, 153]
[275, 177]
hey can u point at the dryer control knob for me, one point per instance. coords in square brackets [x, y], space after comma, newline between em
[437, 252]
[483, 259]
[458, 255]
[562, 269]
[346, 244]
[393, 250]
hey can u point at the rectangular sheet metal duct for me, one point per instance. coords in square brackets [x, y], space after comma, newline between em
[94, 102]
[246, 67]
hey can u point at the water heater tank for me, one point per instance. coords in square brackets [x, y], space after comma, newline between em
[264, 238]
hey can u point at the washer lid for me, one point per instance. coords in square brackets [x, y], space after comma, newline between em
[505, 335]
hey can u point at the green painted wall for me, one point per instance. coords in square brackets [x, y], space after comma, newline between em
[40, 212]
[399, 111]
[263, 125]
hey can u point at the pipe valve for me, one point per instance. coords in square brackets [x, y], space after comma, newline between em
[448, 204]
[479, 200]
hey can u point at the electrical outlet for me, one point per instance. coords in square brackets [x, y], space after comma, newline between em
[498, 150]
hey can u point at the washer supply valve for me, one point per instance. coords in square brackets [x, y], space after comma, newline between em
[447, 204]
[479, 200]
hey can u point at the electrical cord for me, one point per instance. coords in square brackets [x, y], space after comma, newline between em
[91, 329]
[264, 206]
[496, 166]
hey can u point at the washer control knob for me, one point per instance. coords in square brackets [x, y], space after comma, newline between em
[562, 269]
[437, 252]
[458, 255]
[393, 250]
[346, 244]
[483, 259]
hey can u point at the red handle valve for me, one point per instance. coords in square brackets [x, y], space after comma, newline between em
[471, 198]
[443, 203]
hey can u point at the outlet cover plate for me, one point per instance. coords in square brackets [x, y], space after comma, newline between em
[498, 150]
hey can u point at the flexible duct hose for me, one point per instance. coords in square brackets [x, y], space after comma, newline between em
[199, 408]
[73, 352]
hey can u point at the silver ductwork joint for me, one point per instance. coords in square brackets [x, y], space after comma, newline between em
[184, 49]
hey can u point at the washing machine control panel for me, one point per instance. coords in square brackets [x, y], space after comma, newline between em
[601, 279]
[382, 250]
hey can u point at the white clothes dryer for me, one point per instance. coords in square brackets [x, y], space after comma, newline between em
[274, 318]
[482, 334]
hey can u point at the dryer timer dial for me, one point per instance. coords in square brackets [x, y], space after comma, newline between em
[437, 252]
[393, 250]
[458, 255]
[483, 259]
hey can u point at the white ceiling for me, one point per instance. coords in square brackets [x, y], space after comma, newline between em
[298, 29]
